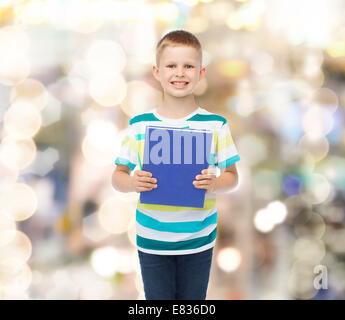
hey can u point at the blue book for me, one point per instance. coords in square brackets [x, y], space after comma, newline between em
[175, 156]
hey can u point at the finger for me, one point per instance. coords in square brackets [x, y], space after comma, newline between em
[200, 183]
[147, 179]
[202, 187]
[204, 176]
[198, 186]
[141, 189]
[147, 185]
[142, 173]
[209, 171]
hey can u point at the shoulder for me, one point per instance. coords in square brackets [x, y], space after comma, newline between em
[205, 115]
[146, 116]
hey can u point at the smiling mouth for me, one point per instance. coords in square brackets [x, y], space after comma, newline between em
[178, 84]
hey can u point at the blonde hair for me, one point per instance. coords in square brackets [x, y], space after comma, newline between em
[177, 38]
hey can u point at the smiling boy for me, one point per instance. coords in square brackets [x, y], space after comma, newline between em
[175, 244]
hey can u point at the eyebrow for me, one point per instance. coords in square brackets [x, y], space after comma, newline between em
[187, 62]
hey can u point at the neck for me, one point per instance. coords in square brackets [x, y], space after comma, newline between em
[178, 108]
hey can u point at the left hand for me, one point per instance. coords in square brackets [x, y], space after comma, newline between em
[205, 180]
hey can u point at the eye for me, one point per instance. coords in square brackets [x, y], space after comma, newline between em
[187, 65]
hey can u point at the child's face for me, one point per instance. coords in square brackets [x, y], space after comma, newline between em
[179, 64]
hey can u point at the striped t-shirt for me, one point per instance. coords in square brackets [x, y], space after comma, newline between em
[174, 230]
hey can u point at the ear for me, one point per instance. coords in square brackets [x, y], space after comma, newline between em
[202, 73]
[155, 72]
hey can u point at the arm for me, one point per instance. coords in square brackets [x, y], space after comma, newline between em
[121, 179]
[227, 180]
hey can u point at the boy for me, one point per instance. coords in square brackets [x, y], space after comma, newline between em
[175, 244]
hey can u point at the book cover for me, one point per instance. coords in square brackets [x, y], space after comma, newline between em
[175, 156]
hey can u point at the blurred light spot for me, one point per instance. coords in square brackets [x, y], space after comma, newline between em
[310, 225]
[326, 98]
[31, 13]
[14, 38]
[267, 184]
[19, 210]
[335, 238]
[243, 102]
[17, 154]
[293, 20]
[229, 259]
[278, 211]
[78, 91]
[309, 250]
[234, 21]
[51, 113]
[301, 280]
[262, 63]
[92, 228]
[21, 280]
[263, 221]
[312, 63]
[292, 185]
[16, 252]
[31, 91]
[89, 115]
[337, 49]
[101, 143]
[108, 89]
[45, 189]
[290, 125]
[14, 65]
[317, 189]
[167, 11]
[333, 168]
[317, 122]
[101, 133]
[253, 148]
[96, 290]
[84, 16]
[7, 228]
[115, 215]
[105, 261]
[232, 68]
[64, 286]
[22, 120]
[140, 98]
[196, 24]
[44, 162]
[8, 176]
[335, 135]
[105, 55]
[8, 3]
[316, 147]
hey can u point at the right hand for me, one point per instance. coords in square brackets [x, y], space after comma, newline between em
[143, 181]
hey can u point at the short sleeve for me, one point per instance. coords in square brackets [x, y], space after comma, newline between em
[226, 152]
[128, 154]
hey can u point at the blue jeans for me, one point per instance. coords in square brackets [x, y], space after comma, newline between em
[175, 277]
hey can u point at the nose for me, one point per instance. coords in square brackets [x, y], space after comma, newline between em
[180, 71]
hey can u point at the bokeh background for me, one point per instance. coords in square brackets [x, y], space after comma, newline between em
[72, 74]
